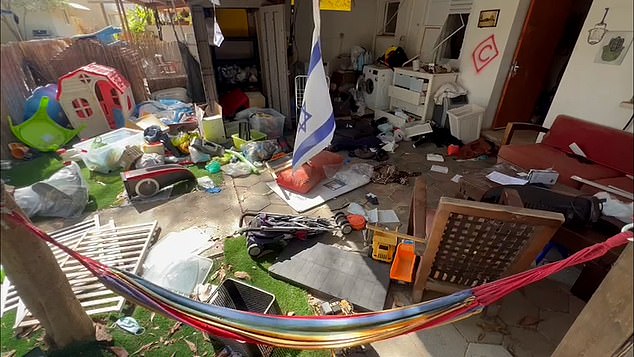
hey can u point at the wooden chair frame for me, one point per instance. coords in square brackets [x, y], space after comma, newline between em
[545, 225]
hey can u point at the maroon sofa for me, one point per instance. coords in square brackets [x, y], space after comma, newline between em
[610, 152]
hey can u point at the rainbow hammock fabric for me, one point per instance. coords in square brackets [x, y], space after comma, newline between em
[319, 332]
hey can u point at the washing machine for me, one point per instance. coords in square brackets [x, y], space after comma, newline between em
[376, 80]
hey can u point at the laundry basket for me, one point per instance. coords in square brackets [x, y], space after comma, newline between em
[465, 122]
[240, 296]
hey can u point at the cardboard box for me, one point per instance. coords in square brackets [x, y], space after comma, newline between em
[256, 99]
[210, 123]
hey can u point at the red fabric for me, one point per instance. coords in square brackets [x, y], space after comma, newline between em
[623, 182]
[309, 175]
[489, 293]
[606, 146]
[233, 102]
[540, 156]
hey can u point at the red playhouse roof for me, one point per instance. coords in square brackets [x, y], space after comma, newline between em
[109, 73]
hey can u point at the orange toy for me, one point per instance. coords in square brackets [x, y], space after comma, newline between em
[357, 222]
[403, 266]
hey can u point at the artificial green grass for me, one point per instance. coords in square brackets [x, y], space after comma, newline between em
[103, 189]
[9, 342]
[289, 299]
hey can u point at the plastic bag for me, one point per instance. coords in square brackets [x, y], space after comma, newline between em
[237, 169]
[64, 194]
[356, 174]
[198, 156]
[149, 160]
[616, 208]
[258, 151]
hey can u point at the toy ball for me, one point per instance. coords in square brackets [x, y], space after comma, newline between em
[54, 109]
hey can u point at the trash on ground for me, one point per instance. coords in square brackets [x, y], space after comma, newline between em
[388, 173]
[456, 178]
[435, 158]
[439, 169]
[237, 169]
[131, 325]
[64, 194]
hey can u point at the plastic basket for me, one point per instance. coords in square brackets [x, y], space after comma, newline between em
[240, 296]
[465, 122]
[255, 136]
[105, 158]
[264, 120]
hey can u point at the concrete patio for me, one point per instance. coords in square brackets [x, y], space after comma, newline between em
[530, 322]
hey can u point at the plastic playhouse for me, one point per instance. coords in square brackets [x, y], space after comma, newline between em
[97, 97]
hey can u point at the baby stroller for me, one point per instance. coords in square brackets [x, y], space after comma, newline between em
[268, 232]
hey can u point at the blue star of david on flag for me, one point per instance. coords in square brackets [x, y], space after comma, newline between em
[305, 115]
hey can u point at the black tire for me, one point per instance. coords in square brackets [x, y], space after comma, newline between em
[346, 229]
[254, 250]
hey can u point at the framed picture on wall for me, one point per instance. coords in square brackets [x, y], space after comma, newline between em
[614, 47]
[488, 18]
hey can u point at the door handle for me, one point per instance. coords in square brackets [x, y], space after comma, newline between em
[514, 68]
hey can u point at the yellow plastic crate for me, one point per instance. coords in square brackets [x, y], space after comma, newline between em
[384, 246]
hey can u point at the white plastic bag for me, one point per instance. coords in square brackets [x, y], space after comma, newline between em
[616, 208]
[237, 169]
[64, 194]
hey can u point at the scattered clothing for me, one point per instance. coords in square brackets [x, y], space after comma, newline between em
[131, 325]
[475, 149]
[388, 173]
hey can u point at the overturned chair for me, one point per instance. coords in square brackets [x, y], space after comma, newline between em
[469, 243]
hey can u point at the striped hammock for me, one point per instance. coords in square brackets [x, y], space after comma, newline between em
[318, 332]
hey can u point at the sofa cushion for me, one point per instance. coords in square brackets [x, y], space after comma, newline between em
[606, 146]
[540, 156]
[624, 183]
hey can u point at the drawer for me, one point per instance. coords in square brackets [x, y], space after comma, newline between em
[406, 95]
[418, 110]
[412, 83]
[396, 121]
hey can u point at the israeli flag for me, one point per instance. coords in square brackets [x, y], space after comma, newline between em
[316, 124]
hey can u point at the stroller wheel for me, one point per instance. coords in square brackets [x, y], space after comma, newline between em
[254, 250]
[346, 229]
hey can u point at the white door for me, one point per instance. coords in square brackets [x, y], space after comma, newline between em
[272, 28]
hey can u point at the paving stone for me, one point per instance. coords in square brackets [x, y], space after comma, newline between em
[515, 307]
[403, 194]
[441, 341]
[406, 345]
[281, 209]
[486, 350]
[260, 188]
[471, 329]
[548, 294]
[247, 181]
[527, 343]
[276, 200]
[255, 203]
[554, 325]
[575, 305]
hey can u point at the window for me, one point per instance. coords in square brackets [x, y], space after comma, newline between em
[452, 36]
[115, 96]
[391, 15]
[82, 108]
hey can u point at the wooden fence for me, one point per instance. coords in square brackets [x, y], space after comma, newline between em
[27, 65]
